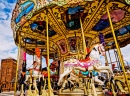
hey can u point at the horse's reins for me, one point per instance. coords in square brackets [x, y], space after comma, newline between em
[34, 67]
[30, 66]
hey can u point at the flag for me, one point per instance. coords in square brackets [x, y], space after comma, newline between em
[24, 56]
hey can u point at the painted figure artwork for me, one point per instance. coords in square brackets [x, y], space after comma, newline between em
[116, 16]
[72, 44]
[24, 10]
[62, 45]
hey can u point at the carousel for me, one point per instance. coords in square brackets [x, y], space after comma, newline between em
[74, 33]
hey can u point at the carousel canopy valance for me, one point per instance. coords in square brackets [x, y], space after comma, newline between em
[64, 24]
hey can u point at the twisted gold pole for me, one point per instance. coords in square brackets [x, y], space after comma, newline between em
[48, 65]
[117, 46]
[16, 79]
[84, 43]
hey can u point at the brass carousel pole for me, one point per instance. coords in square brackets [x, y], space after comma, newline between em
[118, 50]
[15, 84]
[106, 60]
[84, 44]
[84, 50]
[48, 65]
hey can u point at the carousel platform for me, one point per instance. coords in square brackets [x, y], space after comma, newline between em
[77, 92]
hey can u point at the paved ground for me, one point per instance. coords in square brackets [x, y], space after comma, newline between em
[11, 93]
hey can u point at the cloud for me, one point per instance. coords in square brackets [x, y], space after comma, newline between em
[7, 45]
[4, 16]
[5, 9]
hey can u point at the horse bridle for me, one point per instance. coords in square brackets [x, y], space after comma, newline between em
[100, 49]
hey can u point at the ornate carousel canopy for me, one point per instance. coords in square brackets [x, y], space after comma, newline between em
[64, 27]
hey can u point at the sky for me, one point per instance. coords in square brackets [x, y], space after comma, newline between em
[7, 44]
[8, 47]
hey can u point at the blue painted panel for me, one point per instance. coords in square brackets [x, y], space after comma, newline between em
[128, 27]
[123, 31]
[74, 10]
[34, 26]
[102, 24]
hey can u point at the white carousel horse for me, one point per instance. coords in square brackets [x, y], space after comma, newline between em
[74, 78]
[35, 73]
[93, 64]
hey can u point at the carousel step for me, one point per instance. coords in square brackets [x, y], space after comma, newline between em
[75, 92]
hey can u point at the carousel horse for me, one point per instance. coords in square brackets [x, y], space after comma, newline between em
[92, 62]
[75, 80]
[32, 75]
[53, 71]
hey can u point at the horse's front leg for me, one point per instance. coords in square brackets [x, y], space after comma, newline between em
[105, 71]
[98, 80]
[41, 76]
[22, 90]
[26, 78]
[104, 68]
[35, 85]
[65, 73]
[70, 80]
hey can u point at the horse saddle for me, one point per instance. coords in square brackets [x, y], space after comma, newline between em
[86, 73]
[28, 73]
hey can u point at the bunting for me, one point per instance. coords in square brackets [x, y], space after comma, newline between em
[37, 51]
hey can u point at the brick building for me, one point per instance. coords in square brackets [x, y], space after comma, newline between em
[8, 71]
[0, 74]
